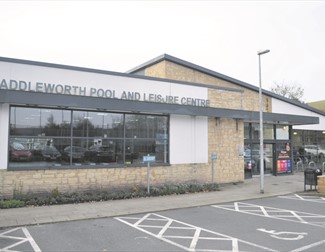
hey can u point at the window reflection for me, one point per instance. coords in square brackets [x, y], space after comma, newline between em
[309, 146]
[39, 122]
[91, 139]
[282, 132]
[246, 131]
[93, 124]
[268, 132]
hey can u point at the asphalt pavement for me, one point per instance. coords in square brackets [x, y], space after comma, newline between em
[249, 189]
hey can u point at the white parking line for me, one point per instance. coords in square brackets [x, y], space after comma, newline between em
[177, 233]
[276, 213]
[18, 239]
[31, 240]
[317, 199]
[284, 235]
[309, 246]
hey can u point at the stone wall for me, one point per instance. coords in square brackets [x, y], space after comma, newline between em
[71, 180]
[246, 100]
[321, 184]
[226, 138]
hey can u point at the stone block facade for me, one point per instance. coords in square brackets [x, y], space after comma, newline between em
[321, 184]
[225, 137]
[70, 180]
[245, 100]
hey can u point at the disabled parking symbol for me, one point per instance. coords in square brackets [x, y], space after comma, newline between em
[284, 235]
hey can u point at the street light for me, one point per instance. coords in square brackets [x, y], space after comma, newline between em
[261, 122]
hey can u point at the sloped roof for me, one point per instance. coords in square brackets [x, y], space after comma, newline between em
[220, 76]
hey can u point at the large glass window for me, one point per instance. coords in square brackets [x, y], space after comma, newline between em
[255, 131]
[282, 132]
[268, 132]
[246, 131]
[43, 138]
[146, 134]
[39, 122]
[309, 146]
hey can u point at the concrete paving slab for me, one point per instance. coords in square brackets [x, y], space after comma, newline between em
[250, 189]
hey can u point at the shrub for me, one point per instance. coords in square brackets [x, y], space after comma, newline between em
[137, 191]
[11, 203]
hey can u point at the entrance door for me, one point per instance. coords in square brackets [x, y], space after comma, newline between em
[268, 158]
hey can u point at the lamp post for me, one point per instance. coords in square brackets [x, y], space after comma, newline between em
[259, 53]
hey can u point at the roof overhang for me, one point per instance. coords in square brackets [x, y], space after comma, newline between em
[84, 102]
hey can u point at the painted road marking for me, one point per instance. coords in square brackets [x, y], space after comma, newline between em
[317, 199]
[13, 238]
[308, 247]
[187, 236]
[284, 235]
[276, 213]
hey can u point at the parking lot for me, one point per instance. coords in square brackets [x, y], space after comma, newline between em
[284, 223]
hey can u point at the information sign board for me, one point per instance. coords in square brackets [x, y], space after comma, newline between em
[149, 159]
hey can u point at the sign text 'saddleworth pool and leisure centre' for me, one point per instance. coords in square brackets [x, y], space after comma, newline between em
[50, 88]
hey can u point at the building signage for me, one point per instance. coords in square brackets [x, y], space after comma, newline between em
[50, 88]
[284, 162]
[149, 159]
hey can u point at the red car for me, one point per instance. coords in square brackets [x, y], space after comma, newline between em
[18, 152]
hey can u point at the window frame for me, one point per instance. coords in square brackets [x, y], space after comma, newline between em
[155, 130]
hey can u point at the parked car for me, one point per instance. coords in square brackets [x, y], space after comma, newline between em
[17, 152]
[102, 153]
[299, 155]
[77, 153]
[314, 151]
[50, 153]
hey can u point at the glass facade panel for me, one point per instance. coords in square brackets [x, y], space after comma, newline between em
[268, 131]
[252, 158]
[39, 122]
[36, 152]
[308, 146]
[255, 131]
[92, 139]
[246, 131]
[97, 124]
[282, 132]
[146, 134]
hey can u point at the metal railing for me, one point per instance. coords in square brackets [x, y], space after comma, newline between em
[311, 164]
[300, 166]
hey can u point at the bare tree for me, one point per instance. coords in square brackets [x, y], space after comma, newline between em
[294, 91]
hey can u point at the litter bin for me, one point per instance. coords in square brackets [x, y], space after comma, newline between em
[311, 177]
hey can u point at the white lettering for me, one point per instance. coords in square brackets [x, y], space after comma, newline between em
[67, 89]
[39, 87]
[104, 93]
[100, 92]
[82, 90]
[22, 85]
[59, 89]
[109, 93]
[124, 96]
[3, 84]
[92, 91]
[49, 88]
[13, 85]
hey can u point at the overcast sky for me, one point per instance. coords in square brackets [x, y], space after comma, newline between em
[223, 36]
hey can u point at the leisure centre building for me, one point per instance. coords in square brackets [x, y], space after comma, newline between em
[73, 129]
